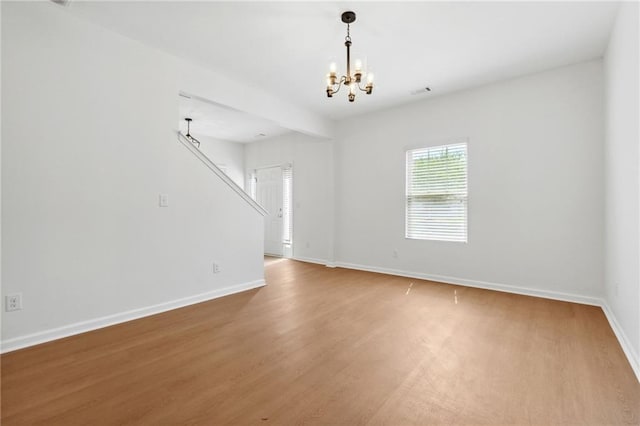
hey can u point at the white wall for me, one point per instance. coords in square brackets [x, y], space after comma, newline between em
[535, 185]
[89, 142]
[312, 189]
[622, 251]
[228, 154]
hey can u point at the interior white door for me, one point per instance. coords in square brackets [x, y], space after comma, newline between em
[269, 195]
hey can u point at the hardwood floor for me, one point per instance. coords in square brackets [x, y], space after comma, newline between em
[334, 346]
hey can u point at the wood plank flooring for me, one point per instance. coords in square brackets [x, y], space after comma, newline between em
[334, 346]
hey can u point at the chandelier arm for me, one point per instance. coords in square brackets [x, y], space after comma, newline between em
[339, 85]
[368, 89]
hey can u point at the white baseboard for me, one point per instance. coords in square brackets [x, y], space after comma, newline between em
[96, 323]
[313, 260]
[628, 350]
[566, 297]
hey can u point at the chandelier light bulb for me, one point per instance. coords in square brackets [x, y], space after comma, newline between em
[358, 65]
[333, 67]
[369, 87]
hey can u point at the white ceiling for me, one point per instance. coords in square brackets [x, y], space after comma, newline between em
[222, 122]
[285, 47]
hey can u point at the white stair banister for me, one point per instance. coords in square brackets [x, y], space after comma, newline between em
[222, 175]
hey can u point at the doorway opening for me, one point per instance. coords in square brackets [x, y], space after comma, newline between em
[272, 188]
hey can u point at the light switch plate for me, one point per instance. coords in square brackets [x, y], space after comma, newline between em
[164, 200]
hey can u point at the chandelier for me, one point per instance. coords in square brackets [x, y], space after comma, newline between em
[352, 81]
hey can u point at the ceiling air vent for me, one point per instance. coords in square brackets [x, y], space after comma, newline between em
[61, 2]
[421, 91]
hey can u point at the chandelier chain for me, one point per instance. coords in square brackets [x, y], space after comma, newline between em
[348, 37]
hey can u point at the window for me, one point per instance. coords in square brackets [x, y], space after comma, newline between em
[437, 193]
[287, 223]
[253, 184]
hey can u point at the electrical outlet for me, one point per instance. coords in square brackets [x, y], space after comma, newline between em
[13, 302]
[395, 253]
[216, 268]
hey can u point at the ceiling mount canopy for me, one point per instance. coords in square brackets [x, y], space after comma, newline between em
[349, 17]
[352, 81]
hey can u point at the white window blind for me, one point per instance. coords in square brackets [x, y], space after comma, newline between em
[437, 193]
[287, 193]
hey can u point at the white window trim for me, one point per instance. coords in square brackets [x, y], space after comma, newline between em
[434, 145]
